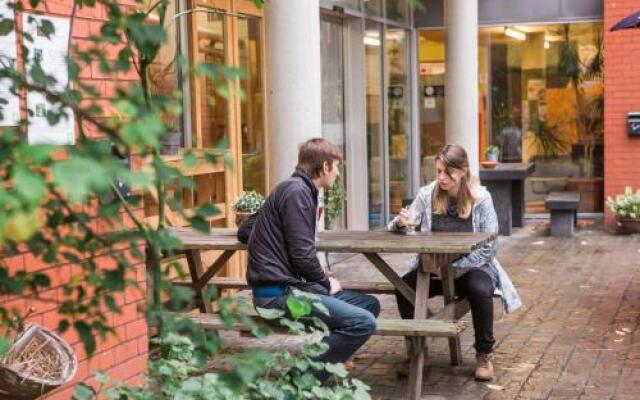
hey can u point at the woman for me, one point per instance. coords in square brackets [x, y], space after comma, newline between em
[455, 202]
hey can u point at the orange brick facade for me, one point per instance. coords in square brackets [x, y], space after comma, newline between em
[124, 357]
[622, 95]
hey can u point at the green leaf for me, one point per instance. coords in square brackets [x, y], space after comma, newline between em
[5, 346]
[86, 335]
[78, 177]
[298, 308]
[47, 28]
[29, 186]
[83, 392]
[269, 313]
[336, 369]
[6, 26]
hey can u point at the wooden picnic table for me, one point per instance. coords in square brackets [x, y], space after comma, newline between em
[437, 250]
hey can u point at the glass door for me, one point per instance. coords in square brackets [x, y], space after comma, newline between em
[375, 128]
[333, 104]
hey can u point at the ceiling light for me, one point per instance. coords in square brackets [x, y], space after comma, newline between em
[515, 34]
[546, 44]
[371, 41]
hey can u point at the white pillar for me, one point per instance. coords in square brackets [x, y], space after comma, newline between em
[294, 96]
[461, 97]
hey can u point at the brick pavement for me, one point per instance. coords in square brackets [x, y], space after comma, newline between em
[577, 336]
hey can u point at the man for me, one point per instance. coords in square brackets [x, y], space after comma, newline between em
[282, 254]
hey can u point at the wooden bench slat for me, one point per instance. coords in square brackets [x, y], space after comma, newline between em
[385, 327]
[241, 283]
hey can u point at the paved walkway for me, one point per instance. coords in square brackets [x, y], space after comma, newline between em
[577, 336]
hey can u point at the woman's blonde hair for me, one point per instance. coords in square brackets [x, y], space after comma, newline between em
[454, 156]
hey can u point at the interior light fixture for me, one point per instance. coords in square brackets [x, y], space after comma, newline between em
[371, 41]
[546, 44]
[513, 33]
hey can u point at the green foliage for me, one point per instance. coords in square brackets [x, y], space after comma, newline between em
[546, 139]
[625, 205]
[250, 201]
[52, 201]
[254, 374]
[492, 149]
[334, 202]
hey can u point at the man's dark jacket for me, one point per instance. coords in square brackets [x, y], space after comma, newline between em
[281, 238]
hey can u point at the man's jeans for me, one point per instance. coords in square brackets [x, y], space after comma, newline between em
[351, 320]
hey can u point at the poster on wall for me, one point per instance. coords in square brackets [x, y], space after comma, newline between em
[10, 113]
[50, 52]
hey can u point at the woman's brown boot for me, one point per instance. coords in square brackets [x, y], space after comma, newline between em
[484, 367]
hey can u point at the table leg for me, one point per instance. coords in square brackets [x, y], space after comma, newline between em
[517, 201]
[417, 345]
[194, 261]
[448, 292]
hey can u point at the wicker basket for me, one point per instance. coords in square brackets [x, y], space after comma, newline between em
[19, 384]
[241, 216]
[629, 226]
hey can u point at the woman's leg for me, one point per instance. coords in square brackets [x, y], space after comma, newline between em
[477, 287]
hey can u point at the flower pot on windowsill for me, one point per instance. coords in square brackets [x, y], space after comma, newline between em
[241, 216]
[170, 143]
[628, 225]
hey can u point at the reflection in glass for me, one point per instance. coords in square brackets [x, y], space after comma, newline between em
[533, 104]
[332, 69]
[375, 160]
[396, 62]
[251, 108]
[373, 7]
[397, 10]
[211, 110]
[163, 78]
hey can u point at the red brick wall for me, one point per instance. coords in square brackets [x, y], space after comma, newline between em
[123, 357]
[622, 94]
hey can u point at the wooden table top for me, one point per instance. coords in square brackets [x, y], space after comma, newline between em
[352, 241]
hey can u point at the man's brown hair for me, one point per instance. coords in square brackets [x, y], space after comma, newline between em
[314, 153]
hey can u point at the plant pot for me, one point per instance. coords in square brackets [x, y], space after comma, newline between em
[628, 226]
[492, 156]
[170, 143]
[241, 216]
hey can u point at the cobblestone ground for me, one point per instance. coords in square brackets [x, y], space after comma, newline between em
[576, 337]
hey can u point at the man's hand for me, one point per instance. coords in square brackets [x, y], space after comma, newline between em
[335, 286]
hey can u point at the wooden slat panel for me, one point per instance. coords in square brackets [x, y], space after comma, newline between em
[356, 241]
[385, 327]
[241, 283]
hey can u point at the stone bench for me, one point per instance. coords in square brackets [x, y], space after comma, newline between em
[563, 207]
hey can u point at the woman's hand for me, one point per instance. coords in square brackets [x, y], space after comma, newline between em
[401, 219]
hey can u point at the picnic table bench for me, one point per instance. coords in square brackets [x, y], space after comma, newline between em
[437, 250]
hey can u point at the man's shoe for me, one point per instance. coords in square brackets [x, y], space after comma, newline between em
[484, 367]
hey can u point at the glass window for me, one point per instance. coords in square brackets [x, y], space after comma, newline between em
[211, 115]
[251, 109]
[396, 68]
[332, 69]
[373, 7]
[541, 101]
[397, 10]
[352, 4]
[375, 147]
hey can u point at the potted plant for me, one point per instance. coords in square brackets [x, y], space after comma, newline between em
[334, 203]
[492, 153]
[626, 209]
[171, 141]
[246, 204]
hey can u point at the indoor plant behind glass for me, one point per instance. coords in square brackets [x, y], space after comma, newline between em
[334, 203]
[246, 204]
[492, 153]
[626, 209]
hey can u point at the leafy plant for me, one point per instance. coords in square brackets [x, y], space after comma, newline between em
[255, 374]
[589, 111]
[334, 202]
[492, 149]
[625, 205]
[250, 201]
[546, 139]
